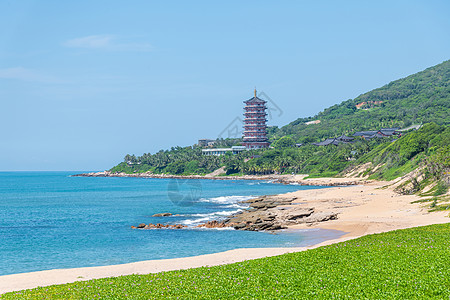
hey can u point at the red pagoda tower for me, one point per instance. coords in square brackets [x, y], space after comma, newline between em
[255, 134]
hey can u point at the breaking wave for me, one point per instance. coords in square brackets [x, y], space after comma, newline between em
[227, 199]
[225, 205]
[203, 218]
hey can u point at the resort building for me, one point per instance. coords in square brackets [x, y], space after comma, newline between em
[335, 141]
[206, 143]
[383, 132]
[223, 151]
[255, 129]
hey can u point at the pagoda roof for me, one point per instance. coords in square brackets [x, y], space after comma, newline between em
[255, 100]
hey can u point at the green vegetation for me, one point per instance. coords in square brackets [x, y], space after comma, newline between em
[420, 98]
[177, 161]
[402, 264]
[427, 147]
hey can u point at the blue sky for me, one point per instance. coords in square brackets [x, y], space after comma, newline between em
[83, 83]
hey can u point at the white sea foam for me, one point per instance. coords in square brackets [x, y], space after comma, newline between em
[217, 213]
[241, 206]
[203, 218]
[227, 202]
[223, 228]
[227, 199]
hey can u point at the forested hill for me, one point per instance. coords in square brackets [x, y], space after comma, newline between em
[419, 98]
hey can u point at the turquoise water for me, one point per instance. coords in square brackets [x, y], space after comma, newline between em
[50, 220]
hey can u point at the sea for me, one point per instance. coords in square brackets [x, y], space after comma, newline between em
[52, 220]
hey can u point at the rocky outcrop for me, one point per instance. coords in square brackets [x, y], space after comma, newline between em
[162, 215]
[272, 213]
[158, 226]
[266, 213]
[285, 179]
[212, 224]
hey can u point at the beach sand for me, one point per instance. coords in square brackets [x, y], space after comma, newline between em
[362, 209]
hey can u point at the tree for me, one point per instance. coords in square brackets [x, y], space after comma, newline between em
[285, 141]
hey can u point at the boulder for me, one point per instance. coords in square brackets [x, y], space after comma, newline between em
[142, 225]
[268, 218]
[276, 227]
[263, 205]
[162, 215]
[239, 225]
[321, 217]
[213, 224]
[299, 214]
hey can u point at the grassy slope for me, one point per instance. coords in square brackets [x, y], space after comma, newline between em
[409, 152]
[403, 264]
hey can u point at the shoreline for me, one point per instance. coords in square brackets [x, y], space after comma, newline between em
[30, 280]
[298, 179]
[366, 208]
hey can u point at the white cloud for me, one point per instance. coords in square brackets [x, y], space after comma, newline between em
[24, 74]
[92, 41]
[106, 42]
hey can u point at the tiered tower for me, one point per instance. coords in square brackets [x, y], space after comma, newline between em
[255, 129]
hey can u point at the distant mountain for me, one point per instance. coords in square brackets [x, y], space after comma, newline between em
[419, 98]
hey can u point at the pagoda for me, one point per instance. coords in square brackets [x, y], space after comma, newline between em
[255, 128]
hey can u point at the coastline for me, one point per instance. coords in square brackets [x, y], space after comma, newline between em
[299, 179]
[365, 207]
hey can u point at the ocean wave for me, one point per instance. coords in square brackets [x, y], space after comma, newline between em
[216, 213]
[235, 205]
[203, 218]
[223, 228]
[227, 199]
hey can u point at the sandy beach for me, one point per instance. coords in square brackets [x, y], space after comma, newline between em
[366, 207]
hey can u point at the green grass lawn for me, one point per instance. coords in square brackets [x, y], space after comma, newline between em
[404, 264]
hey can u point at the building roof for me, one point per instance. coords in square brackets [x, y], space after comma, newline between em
[217, 150]
[365, 133]
[377, 133]
[255, 99]
[335, 141]
[345, 138]
[327, 142]
[238, 147]
[388, 131]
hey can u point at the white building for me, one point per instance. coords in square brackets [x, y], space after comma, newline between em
[222, 151]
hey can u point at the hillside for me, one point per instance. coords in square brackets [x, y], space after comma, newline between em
[419, 98]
